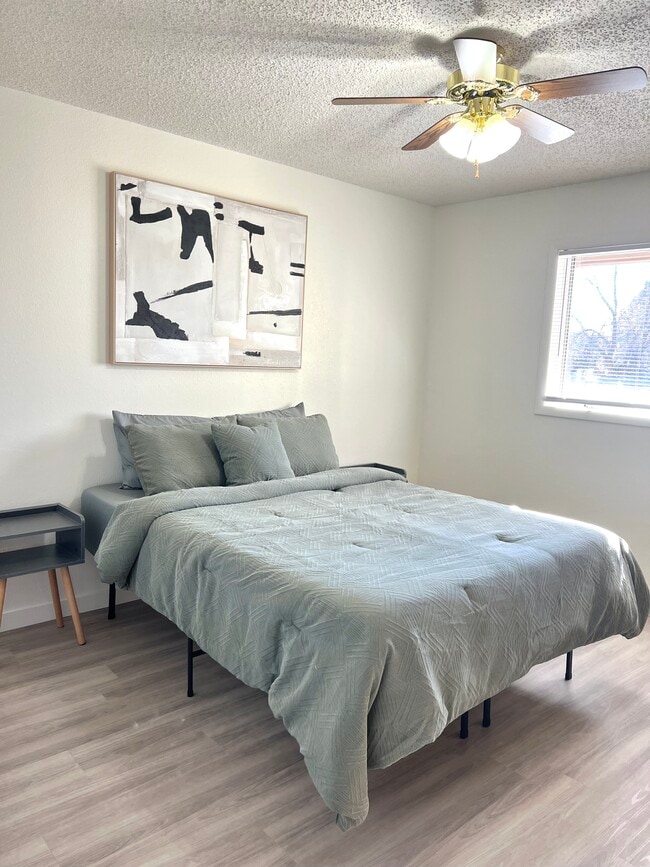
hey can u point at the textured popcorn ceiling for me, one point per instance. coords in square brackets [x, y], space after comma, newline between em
[258, 77]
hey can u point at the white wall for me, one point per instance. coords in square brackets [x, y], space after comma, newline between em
[366, 288]
[480, 434]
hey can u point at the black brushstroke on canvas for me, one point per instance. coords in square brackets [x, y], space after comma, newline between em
[155, 217]
[161, 326]
[218, 216]
[218, 204]
[193, 287]
[251, 228]
[127, 186]
[195, 224]
[294, 312]
[253, 353]
[254, 266]
[296, 274]
[297, 264]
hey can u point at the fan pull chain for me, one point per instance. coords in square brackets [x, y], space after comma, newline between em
[477, 173]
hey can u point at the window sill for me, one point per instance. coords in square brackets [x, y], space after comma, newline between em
[586, 412]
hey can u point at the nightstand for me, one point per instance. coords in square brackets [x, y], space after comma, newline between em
[55, 537]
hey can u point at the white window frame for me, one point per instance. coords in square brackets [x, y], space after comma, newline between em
[586, 411]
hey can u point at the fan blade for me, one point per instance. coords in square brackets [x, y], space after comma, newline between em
[431, 135]
[542, 128]
[477, 59]
[608, 81]
[391, 100]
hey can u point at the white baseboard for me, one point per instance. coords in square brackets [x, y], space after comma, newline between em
[43, 612]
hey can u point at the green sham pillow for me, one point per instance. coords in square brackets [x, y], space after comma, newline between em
[171, 457]
[307, 441]
[251, 454]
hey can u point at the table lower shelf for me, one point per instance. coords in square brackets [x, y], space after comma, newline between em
[37, 559]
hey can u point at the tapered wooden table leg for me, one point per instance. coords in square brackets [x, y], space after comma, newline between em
[3, 590]
[72, 602]
[56, 599]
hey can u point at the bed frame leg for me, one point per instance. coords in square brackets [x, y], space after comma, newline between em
[190, 668]
[191, 653]
[111, 601]
[568, 674]
[487, 713]
[464, 725]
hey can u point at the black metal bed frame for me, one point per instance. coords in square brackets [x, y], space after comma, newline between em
[191, 655]
[193, 652]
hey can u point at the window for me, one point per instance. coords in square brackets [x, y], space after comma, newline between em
[599, 345]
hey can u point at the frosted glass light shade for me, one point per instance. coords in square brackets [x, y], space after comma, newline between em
[496, 137]
[459, 138]
[467, 142]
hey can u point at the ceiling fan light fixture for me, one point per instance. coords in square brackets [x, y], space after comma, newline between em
[479, 140]
[487, 124]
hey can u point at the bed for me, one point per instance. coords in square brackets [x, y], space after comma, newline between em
[370, 610]
[97, 506]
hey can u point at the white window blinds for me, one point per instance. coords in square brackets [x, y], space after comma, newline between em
[599, 353]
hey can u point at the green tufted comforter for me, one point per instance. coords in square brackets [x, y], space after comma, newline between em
[370, 610]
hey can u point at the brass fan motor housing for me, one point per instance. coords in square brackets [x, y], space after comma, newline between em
[507, 81]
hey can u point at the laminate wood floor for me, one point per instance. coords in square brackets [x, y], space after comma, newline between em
[104, 761]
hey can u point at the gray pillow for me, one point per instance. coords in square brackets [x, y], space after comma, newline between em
[123, 420]
[174, 457]
[307, 441]
[251, 454]
[297, 411]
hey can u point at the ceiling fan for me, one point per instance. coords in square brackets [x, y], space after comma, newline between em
[489, 124]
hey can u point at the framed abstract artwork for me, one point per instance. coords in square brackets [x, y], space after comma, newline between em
[203, 280]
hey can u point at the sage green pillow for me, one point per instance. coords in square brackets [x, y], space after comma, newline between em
[297, 411]
[122, 421]
[251, 454]
[171, 457]
[307, 442]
